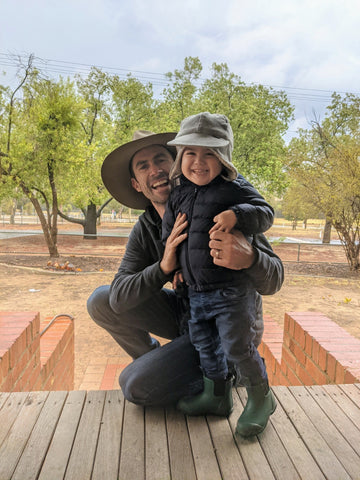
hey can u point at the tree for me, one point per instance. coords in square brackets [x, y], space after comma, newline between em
[86, 189]
[295, 205]
[179, 97]
[40, 143]
[259, 117]
[325, 162]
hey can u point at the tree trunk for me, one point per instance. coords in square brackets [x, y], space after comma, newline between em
[90, 222]
[351, 246]
[13, 212]
[327, 231]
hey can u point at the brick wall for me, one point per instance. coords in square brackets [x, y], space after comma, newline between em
[31, 361]
[311, 350]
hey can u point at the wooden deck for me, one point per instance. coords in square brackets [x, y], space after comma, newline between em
[78, 435]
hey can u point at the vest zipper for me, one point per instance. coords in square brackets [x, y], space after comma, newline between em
[187, 247]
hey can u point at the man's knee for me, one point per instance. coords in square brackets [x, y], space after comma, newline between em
[98, 303]
[132, 385]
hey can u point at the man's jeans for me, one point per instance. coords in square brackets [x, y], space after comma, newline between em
[158, 375]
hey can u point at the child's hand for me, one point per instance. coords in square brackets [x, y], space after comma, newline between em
[178, 278]
[225, 221]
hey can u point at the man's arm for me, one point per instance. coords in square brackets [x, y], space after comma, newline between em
[232, 250]
[146, 265]
[139, 275]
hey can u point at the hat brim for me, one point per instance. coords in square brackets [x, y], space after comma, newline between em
[115, 171]
[198, 140]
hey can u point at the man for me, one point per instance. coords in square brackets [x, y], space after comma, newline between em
[136, 303]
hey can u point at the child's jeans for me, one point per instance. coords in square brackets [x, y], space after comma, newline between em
[221, 328]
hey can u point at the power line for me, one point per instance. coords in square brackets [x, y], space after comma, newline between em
[156, 78]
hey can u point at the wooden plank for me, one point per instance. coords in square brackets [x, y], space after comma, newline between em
[354, 394]
[335, 440]
[10, 409]
[275, 452]
[3, 397]
[297, 450]
[325, 458]
[206, 464]
[84, 448]
[132, 456]
[57, 456]
[157, 461]
[344, 400]
[181, 459]
[14, 443]
[337, 416]
[251, 452]
[107, 457]
[34, 453]
[230, 461]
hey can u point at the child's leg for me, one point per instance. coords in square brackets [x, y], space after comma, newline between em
[236, 328]
[205, 336]
[235, 319]
[216, 398]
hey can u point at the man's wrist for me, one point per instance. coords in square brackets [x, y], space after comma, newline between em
[253, 258]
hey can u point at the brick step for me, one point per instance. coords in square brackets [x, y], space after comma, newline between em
[31, 361]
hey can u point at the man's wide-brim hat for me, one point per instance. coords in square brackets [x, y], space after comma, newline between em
[115, 171]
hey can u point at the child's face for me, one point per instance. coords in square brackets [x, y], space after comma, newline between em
[200, 165]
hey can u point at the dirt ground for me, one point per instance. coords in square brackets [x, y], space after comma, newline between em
[28, 283]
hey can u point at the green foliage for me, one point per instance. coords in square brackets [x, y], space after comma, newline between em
[61, 131]
[324, 164]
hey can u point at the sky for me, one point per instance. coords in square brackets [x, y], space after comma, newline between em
[308, 48]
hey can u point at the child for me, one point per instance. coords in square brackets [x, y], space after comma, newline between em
[222, 301]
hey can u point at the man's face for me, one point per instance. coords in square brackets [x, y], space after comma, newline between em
[151, 167]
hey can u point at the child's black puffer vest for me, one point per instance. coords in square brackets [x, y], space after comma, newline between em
[201, 204]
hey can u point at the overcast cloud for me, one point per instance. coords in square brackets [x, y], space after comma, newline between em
[299, 44]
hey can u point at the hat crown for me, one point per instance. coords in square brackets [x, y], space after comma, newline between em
[138, 134]
[208, 125]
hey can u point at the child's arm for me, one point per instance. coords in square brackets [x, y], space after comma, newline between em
[253, 213]
[224, 221]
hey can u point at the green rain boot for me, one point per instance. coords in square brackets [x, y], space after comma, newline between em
[260, 405]
[215, 399]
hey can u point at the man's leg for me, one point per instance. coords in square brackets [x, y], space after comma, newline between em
[164, 375]
[131, 328]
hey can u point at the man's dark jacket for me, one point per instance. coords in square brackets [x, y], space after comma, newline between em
[139, 276]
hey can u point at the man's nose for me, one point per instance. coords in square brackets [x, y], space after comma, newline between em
[155, 169]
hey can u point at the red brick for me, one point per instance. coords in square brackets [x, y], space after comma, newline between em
[322, 358]
[293, 379]
[299, 335]
[314, 371]
[288, 359]
[308, 344]
[304, 376]
[331, 367]
[315, 351]
[350, 378]
[339, 373]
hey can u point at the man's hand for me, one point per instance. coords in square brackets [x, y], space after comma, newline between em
[169, 262]
[224, 221]
[178, 279]
[231, 250]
